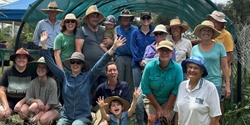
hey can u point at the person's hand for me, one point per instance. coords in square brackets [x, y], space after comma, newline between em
[119, 42]
[159, 112]
[6, 113]
[227, 91]
[100, 102]
[43, 37]
[143, 63]
[40, 104]
[18, 106]
[167, 115]
[137, 93]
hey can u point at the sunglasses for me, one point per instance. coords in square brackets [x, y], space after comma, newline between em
[146, 18]
[76, 61]
[70, 21]
[159, 33]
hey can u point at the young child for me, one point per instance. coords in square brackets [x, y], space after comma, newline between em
[109, 34]
[116, 110]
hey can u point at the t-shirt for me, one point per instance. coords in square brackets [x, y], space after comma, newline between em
[226, 39]
[213, 61]
[110, 33]
[124, 120]
[92, 40]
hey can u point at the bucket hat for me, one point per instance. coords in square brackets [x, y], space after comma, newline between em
[21, 51]
[90, 10]
[52, 6]
[177, 22]
[204, 24]
[110, 20]
[126, 13]
[32, 66]
[125, 103]
[218, 16]
[70, 16]
[160, 28]
[165, 44]
[80, 56]
[200, 61]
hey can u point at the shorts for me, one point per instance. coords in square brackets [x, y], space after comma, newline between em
[219, 90]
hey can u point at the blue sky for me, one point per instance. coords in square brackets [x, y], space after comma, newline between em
[220, 1]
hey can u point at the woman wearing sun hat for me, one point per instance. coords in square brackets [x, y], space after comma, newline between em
[42, 103]
[214, 53]
[76, 84]
[14, 83]
[64, 44]
[182, 46]
[160, 81]
[197, 101]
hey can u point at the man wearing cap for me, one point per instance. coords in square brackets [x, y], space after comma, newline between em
[218, 19]
[50, 25]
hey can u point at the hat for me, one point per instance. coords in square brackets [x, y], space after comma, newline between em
[71, 16]
[200, 61]
[90, 10]
[165, 44]
[160, 28]
[21, 51]
[145, 13]
[204, 24]
[77, 55]
[177, 22]
[52, 6]
[218, 16]
[126, 13]
[125, 103]
[32, 66]
[110, 20]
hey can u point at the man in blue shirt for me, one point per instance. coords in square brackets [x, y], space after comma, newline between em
[50, 24]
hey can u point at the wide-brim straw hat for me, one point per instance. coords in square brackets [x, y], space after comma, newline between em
[32, 66]
[71, 16]
[165, 44]
[52, 6]
[77, 56]
[125, 103]
[218, 16]
[90, 10]
[196, 60]
[204, 24]
[21, 51]
[177, 22]
[160, 28]
[126, 13]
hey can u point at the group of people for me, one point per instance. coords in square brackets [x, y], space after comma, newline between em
[119, 70]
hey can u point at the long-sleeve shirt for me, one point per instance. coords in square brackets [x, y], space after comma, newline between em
[76, 90]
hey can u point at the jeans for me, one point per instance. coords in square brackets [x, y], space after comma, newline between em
[124, 65]
[80, 121]
[137, 72]
[139, 111]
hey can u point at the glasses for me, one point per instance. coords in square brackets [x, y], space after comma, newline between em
[146, 18]
[70, 21]
[76, 61]
[158, 33]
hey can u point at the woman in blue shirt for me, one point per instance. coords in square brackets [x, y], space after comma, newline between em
[76, 85]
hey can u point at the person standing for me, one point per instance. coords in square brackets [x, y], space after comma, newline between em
[197, 101]
[50, 24]
[64, 44]
[182, 46]
[140, 38]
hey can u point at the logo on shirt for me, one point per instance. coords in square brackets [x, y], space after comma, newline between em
[199, 100]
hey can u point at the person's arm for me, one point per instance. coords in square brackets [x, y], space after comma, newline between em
[229, 58]
[4, 102]
[101, 104]
[137, 57]
[103, 47]
[215, 120]
[168, 107]
[79, 44]
[225, 73]
[19, 104]
[136, 94]
[36, 35]
[195, 41]
[176, 118]
[58, 60]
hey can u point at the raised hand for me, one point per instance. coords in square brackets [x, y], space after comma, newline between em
[137, 93]
[100, 102]
[119, 42]
[43, 37]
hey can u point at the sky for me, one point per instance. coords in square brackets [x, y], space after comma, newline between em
[220, 1]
